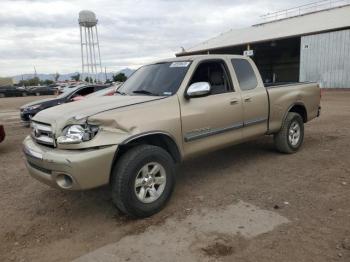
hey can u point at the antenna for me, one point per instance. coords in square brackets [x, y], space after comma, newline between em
[89, 42]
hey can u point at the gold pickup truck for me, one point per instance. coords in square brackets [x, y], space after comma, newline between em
[163, 114]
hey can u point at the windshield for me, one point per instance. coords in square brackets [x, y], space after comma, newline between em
[102, 92]
[69, 90]
[67, 93]
[162, 79]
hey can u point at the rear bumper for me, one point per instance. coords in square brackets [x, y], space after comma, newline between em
[69, 169]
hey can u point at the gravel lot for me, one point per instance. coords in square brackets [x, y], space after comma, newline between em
[244, 203]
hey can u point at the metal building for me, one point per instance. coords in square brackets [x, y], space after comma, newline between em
[306, 43]
[6, 81]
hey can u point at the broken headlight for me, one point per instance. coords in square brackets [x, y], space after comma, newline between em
[76, 134]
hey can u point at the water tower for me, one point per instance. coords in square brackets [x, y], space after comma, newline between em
[90, 46]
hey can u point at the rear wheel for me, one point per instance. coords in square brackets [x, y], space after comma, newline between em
[143, 180]
[291, 136]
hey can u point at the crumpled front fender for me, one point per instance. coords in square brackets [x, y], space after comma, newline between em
[110, 133]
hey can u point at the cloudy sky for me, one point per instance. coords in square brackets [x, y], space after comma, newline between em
[45, 33]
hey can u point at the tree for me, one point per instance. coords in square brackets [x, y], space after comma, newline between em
[121, 77]
[30, 82]
[75, 77]
[22, 83]
[34, 81]
[46, 82]
[89, 79]
[56, 76]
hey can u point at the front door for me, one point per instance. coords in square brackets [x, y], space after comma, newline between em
[216, 120]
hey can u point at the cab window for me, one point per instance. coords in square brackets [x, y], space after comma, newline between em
[245, 74]
[215, 73]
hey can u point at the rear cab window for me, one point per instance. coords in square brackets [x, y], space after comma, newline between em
[245, 74]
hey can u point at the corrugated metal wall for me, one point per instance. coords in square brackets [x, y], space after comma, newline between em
[325, 58]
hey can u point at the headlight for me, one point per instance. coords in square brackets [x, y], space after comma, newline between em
[76, 134]
[33, 107]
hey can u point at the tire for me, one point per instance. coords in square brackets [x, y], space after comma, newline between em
[37, 94]
[131, 169]
[287, 139]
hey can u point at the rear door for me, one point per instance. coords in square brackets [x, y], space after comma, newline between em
[215, 120]
[254, 98]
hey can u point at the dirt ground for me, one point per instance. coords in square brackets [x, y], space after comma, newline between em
[244, 203]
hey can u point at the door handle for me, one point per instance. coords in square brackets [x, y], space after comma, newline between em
[234, 102]
[247, 99]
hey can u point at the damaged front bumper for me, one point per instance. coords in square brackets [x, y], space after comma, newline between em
[69, 169]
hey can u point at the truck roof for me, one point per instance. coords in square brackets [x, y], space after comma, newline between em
[195, 57]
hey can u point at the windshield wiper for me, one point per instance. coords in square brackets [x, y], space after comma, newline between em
[119, 92]
[142, 91]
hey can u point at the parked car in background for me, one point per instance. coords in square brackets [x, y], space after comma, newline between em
[29, 110]
[109, 91]
[2, 133]
[166, 112]
[68, 88]
[55, 86]
[42, 90]
[10, 91]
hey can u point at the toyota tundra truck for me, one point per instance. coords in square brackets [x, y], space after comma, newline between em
[163, 114]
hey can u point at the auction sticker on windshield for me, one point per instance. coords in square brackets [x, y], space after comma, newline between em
[179, 64]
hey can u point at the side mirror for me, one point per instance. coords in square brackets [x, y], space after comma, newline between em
[198, 89]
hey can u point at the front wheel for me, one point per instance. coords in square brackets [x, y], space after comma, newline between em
[143, 180]
[291, 136]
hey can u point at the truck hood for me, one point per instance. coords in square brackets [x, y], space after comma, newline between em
[75, 111]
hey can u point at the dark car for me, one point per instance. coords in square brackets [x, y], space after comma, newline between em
[29, 110]
[109, 91]
[2, 133]
[9, 91]
[42, 90]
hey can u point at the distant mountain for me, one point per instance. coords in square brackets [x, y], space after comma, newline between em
[63, 77]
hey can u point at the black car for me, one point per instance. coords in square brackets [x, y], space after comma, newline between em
[10, 91]
[42, 90]
[29, 110]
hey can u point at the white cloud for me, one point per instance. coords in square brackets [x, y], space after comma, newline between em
[45, 34]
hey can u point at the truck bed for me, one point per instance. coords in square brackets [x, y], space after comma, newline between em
[283, 96]
[285, 84]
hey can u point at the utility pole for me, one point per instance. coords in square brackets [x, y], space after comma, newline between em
[106, 74]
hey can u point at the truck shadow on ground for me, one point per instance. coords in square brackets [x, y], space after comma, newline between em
[227, 165]
[207, 181]
[98, 201]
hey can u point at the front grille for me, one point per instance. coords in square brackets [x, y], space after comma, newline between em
[42, 133]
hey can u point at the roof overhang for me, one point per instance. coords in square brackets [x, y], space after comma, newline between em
[323, 21]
